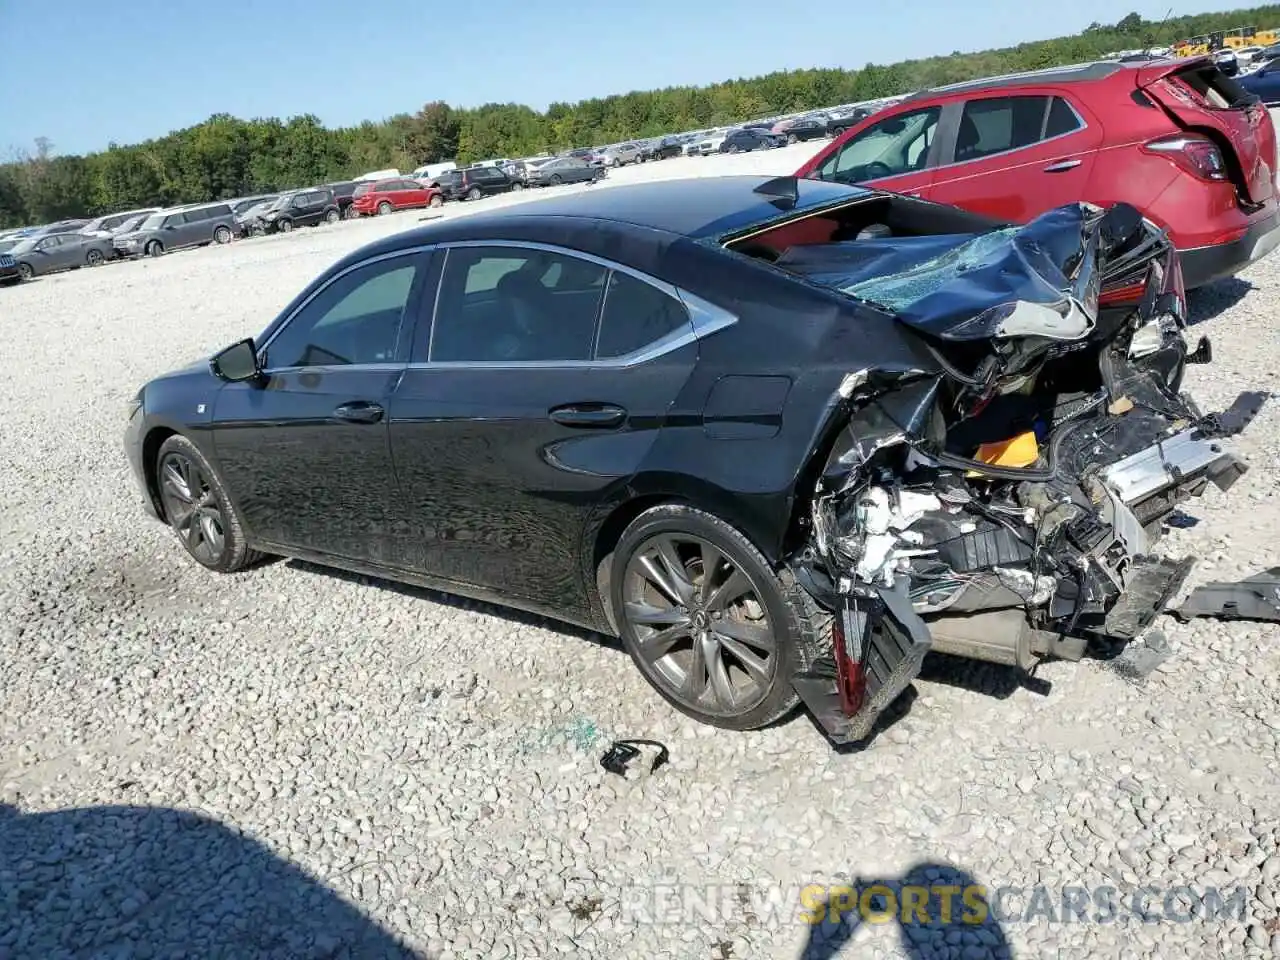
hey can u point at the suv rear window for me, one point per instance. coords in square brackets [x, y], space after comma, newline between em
[998, 124]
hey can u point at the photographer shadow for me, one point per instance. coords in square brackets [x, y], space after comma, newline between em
[940, 911]
[118, 881]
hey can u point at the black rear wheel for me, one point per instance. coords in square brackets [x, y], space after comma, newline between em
[198, 509]
[707, 621]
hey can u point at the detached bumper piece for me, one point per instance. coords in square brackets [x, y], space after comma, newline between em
[1254, 598]
[879, 647]
[1152, 581]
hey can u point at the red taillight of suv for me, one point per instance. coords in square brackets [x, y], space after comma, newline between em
[1198, 156]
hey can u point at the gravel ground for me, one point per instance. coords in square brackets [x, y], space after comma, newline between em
[296, 763]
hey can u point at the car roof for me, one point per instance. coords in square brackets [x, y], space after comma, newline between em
[696, 207]
[1072, 73]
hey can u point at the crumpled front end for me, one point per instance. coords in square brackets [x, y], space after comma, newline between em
[1007, 509]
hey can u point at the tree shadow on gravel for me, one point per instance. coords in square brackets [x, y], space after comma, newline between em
[1207, 302]
[940, 912]
[116, 881]
[459, 603]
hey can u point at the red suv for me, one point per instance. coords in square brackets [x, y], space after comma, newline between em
[1180, 140]
[384, 196]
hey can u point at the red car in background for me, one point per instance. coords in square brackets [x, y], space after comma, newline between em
[387, 196]
[1179, 140]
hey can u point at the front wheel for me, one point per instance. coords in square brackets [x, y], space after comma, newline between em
[284, 226]
[155, 249]
[198, 509]
[93, 258]
[222, 235]
[707, 621]
[437, 201]
[25, 271]
[792, 139]
[331, 216]
[353, 213]
[517, 186]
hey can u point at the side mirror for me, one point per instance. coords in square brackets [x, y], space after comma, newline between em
[237, 363]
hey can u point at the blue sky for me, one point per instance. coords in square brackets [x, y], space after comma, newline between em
[84, 74]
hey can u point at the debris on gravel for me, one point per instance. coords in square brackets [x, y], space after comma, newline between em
[292, 762]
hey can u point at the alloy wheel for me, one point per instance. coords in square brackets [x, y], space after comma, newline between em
[192, 507]
[24, 269]
[93, 258]
[702, 629]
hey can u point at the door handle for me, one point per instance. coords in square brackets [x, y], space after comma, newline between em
[1062, 165]
[359, 411]
[601, 416]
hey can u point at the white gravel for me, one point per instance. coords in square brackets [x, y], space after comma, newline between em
[432, 763]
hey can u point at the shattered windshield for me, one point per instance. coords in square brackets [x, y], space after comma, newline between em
[939, 282]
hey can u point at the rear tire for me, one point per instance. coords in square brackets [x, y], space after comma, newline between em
[753, 628]
[474, 193]
[198, 509]
[384, 208]
[353, 213]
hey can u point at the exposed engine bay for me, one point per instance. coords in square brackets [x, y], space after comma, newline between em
[1007, 508]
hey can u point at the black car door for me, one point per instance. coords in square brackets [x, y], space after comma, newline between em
[524, 413]
[304, 452]
[306, 210]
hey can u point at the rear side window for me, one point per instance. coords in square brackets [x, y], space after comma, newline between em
[1002, 123]
[1061, 120]
[509, 304]
[635, 315]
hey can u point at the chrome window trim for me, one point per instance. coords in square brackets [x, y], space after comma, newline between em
[1083, 125]
[391, 255]
[705, 318]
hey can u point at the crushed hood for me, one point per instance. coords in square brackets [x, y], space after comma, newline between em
[1041, 279]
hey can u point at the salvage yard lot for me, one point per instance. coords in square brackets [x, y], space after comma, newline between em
[435, 761]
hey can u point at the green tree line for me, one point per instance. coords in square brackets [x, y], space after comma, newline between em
[226, 156]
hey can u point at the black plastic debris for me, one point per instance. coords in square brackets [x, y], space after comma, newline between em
[622, 752]
[1254, 598]
[1141, 658]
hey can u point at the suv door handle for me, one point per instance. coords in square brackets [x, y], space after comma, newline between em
[601, 416]
[1062, 165]
[359, 411]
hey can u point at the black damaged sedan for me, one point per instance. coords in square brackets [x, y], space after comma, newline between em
[782, 437]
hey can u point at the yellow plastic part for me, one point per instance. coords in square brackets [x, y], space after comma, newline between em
[1019, 451]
